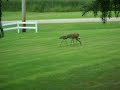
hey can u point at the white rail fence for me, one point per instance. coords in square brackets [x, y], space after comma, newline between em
[18, 26]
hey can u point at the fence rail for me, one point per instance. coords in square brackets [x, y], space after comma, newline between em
[18, 27]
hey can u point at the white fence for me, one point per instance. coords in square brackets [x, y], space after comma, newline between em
[19, 26]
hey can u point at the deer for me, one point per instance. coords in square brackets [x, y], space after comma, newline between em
[72, 36]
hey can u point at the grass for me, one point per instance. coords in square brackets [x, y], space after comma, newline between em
[48, 15]
[34, 61]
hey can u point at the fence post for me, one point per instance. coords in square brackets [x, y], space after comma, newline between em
[36, 26]
[18, 27]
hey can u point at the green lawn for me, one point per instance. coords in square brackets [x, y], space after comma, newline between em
[34, 61]
[48, 15]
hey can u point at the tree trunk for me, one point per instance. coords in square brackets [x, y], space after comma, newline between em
[1, 29]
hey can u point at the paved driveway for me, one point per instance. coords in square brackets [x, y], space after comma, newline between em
[76, 20]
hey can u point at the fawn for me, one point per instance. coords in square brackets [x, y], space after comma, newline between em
[71, 36]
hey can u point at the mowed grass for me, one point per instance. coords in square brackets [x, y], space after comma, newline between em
[35, 61]
[47, 15]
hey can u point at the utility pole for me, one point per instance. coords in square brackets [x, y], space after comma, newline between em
[24, 14]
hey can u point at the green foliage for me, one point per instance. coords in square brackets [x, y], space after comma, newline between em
[34, 61]
[46, 5]
[105, 7]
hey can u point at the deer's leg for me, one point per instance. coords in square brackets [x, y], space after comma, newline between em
[66, 42]
[71, 41]
[76, 41]
[61, 42]
[79, 41]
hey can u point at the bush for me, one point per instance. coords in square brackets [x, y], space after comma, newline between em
[45, 5]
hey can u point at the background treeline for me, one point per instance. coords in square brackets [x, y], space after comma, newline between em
[46, 5]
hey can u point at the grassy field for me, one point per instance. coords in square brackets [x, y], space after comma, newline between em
[47, 15]
[34, 61]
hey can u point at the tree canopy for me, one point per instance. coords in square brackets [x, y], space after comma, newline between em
[106, 7]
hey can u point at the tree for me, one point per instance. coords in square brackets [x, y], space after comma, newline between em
[1, 29]
[106, 7]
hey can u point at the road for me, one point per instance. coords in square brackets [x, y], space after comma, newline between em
[75, 20]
